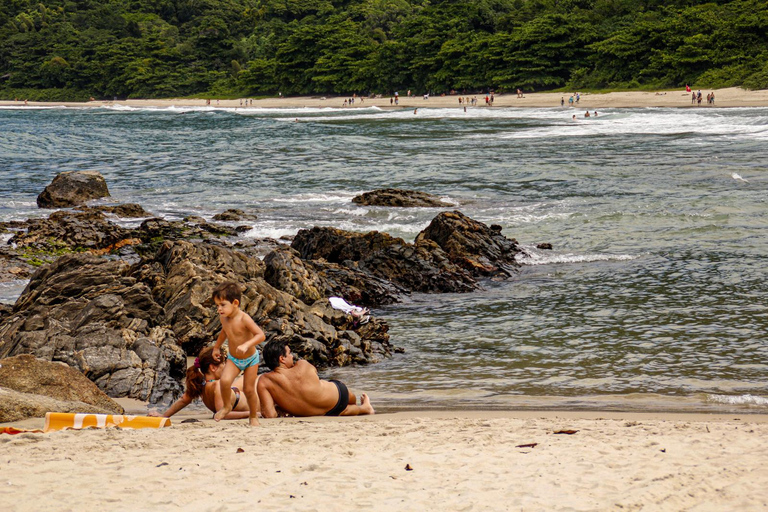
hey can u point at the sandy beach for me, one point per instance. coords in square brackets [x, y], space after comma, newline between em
[730, 97]
[457, 460]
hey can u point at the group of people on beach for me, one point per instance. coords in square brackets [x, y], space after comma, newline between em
[291, 388]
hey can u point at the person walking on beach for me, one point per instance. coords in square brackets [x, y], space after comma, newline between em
[242, 335]
[295, 388]
[202, 381]
[693, 98]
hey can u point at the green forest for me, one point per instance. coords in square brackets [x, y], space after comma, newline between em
[76, 49]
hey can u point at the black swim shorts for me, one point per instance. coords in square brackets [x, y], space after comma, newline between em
[343, 399]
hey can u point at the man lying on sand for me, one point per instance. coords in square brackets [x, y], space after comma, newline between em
[297, 390]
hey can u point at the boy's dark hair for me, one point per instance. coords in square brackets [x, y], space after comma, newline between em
[272, 353]
[228, 291]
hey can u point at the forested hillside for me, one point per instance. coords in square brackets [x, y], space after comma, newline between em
[74, 49]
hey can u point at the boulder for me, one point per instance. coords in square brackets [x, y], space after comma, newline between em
[400, 198]
[89, 313]
[15, 406]
[234, 215]
[422, 267]
[27, 374]
[313, 280]
[480, 249]
[73, 188]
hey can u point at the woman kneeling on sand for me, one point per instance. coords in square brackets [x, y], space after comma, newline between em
[203, 381]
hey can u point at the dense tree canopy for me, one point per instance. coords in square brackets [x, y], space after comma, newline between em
[73, 49]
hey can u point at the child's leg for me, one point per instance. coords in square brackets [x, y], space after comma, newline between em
[249, 387]
[228, 376]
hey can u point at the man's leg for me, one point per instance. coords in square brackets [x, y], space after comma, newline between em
[228, 376]
[249, 387]
[365, 407]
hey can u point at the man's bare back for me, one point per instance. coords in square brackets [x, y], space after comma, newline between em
[297, 390]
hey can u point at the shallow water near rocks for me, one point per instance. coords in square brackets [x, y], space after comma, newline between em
[654, 297]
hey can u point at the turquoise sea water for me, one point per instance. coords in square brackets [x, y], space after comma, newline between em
[654, 296]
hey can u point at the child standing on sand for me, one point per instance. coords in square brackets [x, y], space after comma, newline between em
[242, 333]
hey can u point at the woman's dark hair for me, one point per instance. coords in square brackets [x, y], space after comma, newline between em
[272, 353]
[228, 291]
[196, 374]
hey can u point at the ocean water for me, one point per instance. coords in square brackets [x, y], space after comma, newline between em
[654, 297]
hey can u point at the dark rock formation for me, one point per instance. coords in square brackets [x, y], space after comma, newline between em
[126, 211]
[481, 250]
[313, 280]
[27, 374]
[71, 231]
[5, 311]
[89, 313]
[183, 275]
[73, 188]
[398, 197]
[422, 267]
[544, 246]
[234, 215]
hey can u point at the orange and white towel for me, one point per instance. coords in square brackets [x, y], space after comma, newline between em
[66, 420]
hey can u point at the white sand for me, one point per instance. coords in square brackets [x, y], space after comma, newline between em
[730, 97]
[460, 461]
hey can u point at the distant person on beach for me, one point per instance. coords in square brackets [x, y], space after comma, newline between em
[693, 98]
[242, 334]
[562, 101]
[203, 381]
[295, 388]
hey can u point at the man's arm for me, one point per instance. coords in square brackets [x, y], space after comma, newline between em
[265, 397]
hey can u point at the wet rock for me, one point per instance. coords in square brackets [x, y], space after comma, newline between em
[313, 280]
[400, 198]
[27, 374]
[472, 245]
[234, 215]
[65, 231]
[126, 211]
[422, 267]
[544, 246]
[73, 188]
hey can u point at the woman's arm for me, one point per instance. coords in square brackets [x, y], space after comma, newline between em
[175, 407]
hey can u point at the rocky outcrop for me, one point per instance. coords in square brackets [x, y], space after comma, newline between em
[313, 280]
[234, 215]
[182, 276]
[421, 267]
[400, 198]
[89, 313]
[73, 188]
[126, 211]
[480, 249]
[72, 231]
[27, 374]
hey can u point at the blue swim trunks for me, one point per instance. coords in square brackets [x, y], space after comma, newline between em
[242, 364]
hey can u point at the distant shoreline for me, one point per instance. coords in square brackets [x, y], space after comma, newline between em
[729, 97]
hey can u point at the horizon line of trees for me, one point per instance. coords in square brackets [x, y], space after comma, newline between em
[76, 49]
